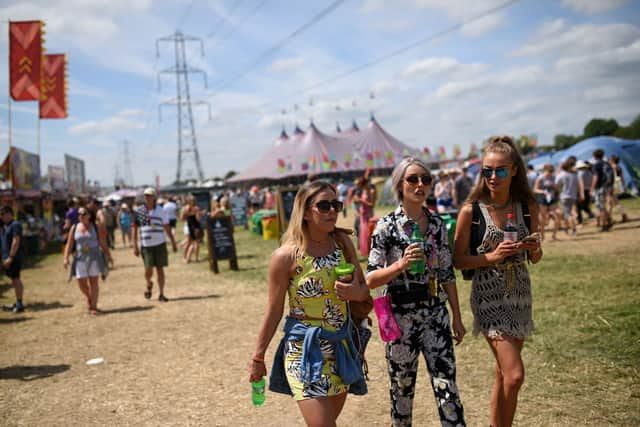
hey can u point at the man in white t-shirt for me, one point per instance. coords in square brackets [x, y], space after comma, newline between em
[172, 213]
[153, 223]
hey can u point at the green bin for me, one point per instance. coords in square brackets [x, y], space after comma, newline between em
[450, 223]
[256, 220]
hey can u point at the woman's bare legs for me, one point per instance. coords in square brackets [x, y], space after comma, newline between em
[94, 290]
[322, 411]
[83, 284]
[509, 379]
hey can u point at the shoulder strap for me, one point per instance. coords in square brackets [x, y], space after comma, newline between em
[477, 228]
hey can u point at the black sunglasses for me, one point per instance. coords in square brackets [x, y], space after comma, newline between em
[501, 172]
[414, 179]
[325, 206]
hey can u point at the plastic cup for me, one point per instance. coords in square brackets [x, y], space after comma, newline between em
[345, 272]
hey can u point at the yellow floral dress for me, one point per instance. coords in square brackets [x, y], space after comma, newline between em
[312, 300]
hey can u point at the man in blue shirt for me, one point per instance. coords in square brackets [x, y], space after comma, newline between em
[11, 257]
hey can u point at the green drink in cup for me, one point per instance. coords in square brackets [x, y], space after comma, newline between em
[345, 272]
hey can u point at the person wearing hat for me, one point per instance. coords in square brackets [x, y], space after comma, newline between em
[585, 175]
[153, 223]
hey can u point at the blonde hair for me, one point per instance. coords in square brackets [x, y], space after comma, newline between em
[397, 176]
[296, 235]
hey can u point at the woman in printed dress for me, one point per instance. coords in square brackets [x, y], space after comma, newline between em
[418, 300]
[501, 288]
[303, 268]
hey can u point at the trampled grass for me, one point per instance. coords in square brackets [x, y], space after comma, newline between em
[582, 363]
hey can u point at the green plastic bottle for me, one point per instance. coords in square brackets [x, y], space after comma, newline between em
[257, 392]
[417, 267]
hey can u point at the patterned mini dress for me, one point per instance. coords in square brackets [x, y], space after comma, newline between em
[312, 300]
[499, 309]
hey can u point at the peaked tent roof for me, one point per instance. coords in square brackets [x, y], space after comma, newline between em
[314, 152]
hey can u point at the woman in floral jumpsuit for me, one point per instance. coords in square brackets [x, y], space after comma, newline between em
[418, 301]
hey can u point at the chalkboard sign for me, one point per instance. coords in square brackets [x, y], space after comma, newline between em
[238, 210]
[221, 243]
[203, 200]
[284, 199]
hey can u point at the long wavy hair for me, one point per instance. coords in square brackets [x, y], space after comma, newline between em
[297, 234]
[519, 189]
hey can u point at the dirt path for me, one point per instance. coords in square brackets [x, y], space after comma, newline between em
[184, 362]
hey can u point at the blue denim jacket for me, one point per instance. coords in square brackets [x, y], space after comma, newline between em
[348, 361]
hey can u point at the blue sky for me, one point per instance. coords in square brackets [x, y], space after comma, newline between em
[536, 66]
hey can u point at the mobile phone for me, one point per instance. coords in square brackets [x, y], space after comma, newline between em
[530, 239]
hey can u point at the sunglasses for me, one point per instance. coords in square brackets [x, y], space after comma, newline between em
[325, 206]
[501, 172]
[83, 213]
[414, 179]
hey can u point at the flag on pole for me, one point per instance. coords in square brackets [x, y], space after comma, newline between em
[457, 151]
[53, 92]
[25, 53]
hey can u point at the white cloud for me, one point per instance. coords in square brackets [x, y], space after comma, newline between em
[125, 120]
[592, 7]
[430, 68]
[551, 27]
[483, 25]
[371, 6]
[286, 64]
[580, 40]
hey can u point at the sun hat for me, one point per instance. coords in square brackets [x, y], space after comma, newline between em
[149, 191]
[581, 164]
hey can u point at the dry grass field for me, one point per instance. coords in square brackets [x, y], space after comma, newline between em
[184, 362]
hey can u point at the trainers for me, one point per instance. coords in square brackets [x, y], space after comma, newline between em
[17, 308]
[162, 298]
[147, 293]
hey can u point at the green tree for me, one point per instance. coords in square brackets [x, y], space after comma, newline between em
[600, 127]
[561, 141]
[230, 174]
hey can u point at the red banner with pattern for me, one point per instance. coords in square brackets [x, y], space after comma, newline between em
[53, 101]
[25, 53]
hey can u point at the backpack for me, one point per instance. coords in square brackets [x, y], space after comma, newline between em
[478, 226]
[609, 176]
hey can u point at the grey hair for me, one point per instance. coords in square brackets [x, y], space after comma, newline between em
[398, 174]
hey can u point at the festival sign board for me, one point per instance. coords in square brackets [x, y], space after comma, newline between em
[75, 174]
[56, 178]
[221, 242]
[239, 210]
[24, 173]
[284, 203]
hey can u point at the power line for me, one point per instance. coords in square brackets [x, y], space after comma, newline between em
[241, 21]
[222, 19]
[403, 49]
[185, 14]
[253, 64]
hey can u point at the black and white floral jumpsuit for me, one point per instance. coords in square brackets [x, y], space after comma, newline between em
[422, 316]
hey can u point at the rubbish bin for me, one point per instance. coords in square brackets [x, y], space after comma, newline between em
[31, 245]
[270, 227]
[256, 220]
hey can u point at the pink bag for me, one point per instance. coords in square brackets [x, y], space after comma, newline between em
[389, 329]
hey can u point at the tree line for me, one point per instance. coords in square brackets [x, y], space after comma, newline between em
[599, 127]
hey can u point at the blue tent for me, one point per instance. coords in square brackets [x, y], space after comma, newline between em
[627, 150]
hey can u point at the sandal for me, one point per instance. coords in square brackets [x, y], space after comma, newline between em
[147, 293]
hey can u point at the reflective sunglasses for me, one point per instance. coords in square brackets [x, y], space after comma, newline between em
[501, 172]
[325, 206]
[414, 179]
